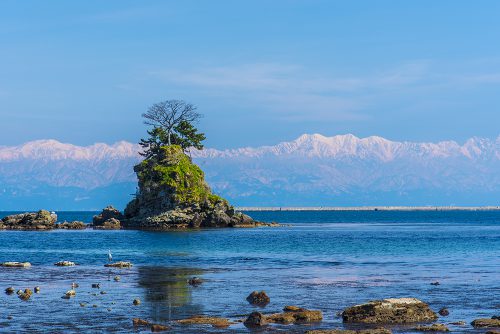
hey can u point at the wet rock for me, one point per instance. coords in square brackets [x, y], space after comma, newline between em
[302, 315]
[16, 264]
[444, 312]
[74, 225]
[348, 331]
[41, 220]
[140, 322]
[75, 285]
[117, 278]
[194, 281]
[10, 317]
[432, 328]
[69, 294]
[291, 308]
[493, 332]
[120, 264]
[65, 264]
[95, 305]
[10, 290]
[255, 319]
[26, 294]
[392, 310]
[108, 219]
[435, 283]
[103, 292]
[258, 298]
[136, 301]
[96, 286]
[37, 289]
[458, 323]
[486, 323]
[159, 328]
[201, 320]
[83, 304]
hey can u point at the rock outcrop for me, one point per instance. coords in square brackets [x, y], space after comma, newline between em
[392, 310]
[41, 220]
[486, 323]
[173, 194]
[109, 219]
[258, 298]
[74, 225]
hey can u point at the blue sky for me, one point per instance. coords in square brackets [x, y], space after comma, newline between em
[260, 71]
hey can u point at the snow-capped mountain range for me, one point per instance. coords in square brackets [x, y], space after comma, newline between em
[310, 170]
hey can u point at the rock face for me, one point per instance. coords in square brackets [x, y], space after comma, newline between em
[173, 194]
[393, 310]
[41, 220]
[109, 219]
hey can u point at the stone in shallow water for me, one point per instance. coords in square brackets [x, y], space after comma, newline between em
[201, 320]
[10, 290]
[432, 328]
[65, 264]
[159, 328]
[255, 319]
[140, 322]
[486, 323]
[348, 331]
[444, 312]
[37, 289]
[302, 315]
[258, 298]
[119, 264]
[16, 264]
[392, 310]
[136, 301]
[26, 294]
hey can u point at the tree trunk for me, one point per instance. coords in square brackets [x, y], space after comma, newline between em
[169, 143]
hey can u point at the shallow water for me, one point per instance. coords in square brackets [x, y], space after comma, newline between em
[325, 260]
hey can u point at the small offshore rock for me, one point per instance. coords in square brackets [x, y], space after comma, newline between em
[83, 304]
[301, 316]
[117, 278]
[258, 298]
[458, 323]
[444, 312]
[202, 320]
[432, 328]
[16, 264]
[26, 294]
[10, 317]
[69, 294]
[140, 322]
[195, 281]
[291, 308]
[391, 310]
[65, 264]
[120, 264]
[103, 292]
[41, 220]
[37, 289]
[435, 283]
[10, 290]
[136, 301]
[109, 219]
[95, 305]
[485, 323]
[159, 328]
[96, 286]
[74, 285]
[255, 319]
[74, 225]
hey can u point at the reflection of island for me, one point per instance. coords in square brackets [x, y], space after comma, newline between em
[168, 293]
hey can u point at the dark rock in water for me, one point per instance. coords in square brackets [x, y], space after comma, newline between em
[136, 301]
[75, 285]
[195, 281]
[10, 290]
[432, 328]
[458, 323]
[37, 289]
[435, 283]
[109, 219]
[117, 278]
[96, 286]
[74, 225]
[15, 264]
[26, 294]
[444, 312]
[41, 220]
[348, 331]
[494, 331]
[119, 264]
[496, 317]
[64, 264]
[255, 319]
[202, 320]
[486, 323]
[302, 315]
[173, 194]
[258, 298]
[140, 322]
[159, 328]
[393, 310]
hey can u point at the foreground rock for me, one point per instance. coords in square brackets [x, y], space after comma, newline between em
[119, 264]
[432, 328]
[41, 220]
[201, 320]
[291, 315]
[258, 298]
[74, 225]
[173, 194]
[348, 331]
[486, 323]
[16, 264]
[393, 310]
[109, 219]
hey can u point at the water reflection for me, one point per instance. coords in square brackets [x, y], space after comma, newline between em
[168, 293]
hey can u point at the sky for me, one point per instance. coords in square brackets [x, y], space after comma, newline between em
[260, 72]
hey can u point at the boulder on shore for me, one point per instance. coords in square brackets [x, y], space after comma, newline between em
[109, 219]
[41, 220]
[392, 310]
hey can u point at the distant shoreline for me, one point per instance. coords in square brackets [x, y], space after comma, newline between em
[375, 208]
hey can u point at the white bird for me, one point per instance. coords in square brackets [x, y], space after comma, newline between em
[110, 257]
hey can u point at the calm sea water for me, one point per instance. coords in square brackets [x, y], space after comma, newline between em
[325, 260]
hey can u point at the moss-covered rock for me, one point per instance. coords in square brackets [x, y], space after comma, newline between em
[173, 194]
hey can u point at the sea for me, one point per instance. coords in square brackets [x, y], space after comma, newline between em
[320, 260]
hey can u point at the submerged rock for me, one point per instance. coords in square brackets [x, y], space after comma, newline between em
[195, 281]
[119, 264]
[159, 328]
[444, 312]
[65, 264]
[41, 220]
[109, 219]
[258, 298]
[432, 328]
[96, 286]
[117, 278]
[140, 322]
[255, 319]
[16, 264]
[201, 320]
[348, 331]
[392, 310]
[74, 225]
[10, 290]
[486, 323]
[173, 194]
